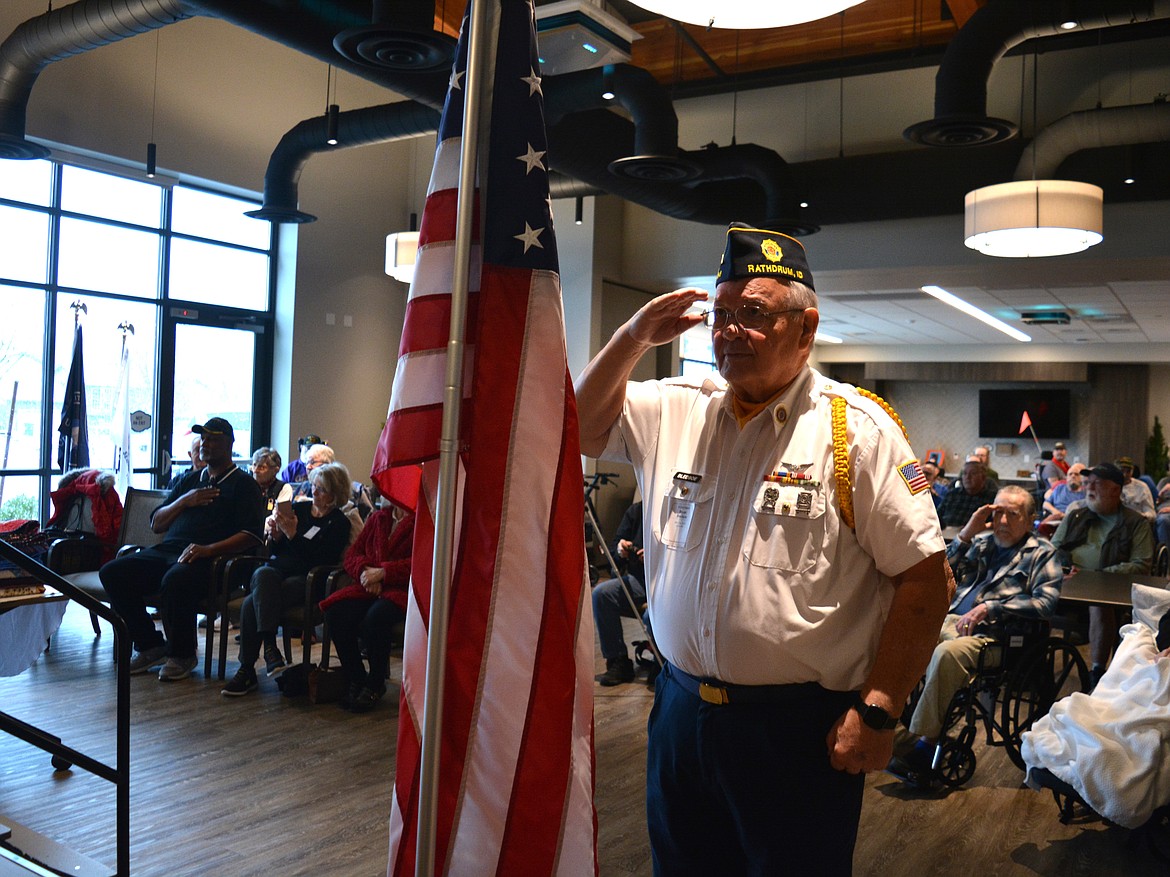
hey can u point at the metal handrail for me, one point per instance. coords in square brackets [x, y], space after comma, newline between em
[119, 775]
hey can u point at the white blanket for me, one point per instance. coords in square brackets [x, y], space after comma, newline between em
[1112, 746]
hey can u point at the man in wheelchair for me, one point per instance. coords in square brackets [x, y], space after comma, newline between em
[1005, 574]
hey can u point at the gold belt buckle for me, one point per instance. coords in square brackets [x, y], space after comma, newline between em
[713, 693]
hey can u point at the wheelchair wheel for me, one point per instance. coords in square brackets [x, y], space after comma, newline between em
[1161, 560]
[1052, 670]
[956, 763]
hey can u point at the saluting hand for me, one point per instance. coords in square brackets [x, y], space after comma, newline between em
[664, 318]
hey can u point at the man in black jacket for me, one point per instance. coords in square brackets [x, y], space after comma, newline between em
[1104, 535]
[610, 603]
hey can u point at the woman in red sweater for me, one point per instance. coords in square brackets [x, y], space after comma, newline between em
[370, 607]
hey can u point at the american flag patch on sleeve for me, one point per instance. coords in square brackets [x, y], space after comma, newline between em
[912, 474]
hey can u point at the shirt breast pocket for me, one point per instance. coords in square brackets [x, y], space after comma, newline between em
[685, 514]
[789, 525]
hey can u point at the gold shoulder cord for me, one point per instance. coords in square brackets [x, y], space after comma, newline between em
[841, 450]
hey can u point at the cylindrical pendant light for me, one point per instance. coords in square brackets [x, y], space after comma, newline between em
[1033, 218]
[746, 14]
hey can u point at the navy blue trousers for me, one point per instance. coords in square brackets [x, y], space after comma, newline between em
[748, 789]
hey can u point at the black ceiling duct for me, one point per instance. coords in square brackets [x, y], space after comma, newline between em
[960, 96]
[655, 154]
[584, 145]
[69, 30]
[400, 36]
[381, 124]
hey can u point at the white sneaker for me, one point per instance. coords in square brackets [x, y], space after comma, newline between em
[147, 660]
[177, 668]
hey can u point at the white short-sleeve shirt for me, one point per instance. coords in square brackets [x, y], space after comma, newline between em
[753, 577]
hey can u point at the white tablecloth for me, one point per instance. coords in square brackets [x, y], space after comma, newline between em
[24, 632]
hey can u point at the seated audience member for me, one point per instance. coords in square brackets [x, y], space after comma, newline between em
[360, 505]
[982, 453]
[1058, 499]
[610, 603]
[936, 478]
[297, 470]
[1135, 493]
[1162, 521]
[1057, 468]
[300, 537]
[211, 511]
[196, 461]
[265, 465]
[370, 607]
[1103, 534]
[973, 491]
[1003, 572]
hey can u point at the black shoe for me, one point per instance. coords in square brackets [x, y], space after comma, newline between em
[914, 767]
[618, 671]
[274, 663]
[351, 693]
[240, 684]
[366, 699]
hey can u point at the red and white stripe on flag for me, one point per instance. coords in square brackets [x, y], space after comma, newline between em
[515, 792]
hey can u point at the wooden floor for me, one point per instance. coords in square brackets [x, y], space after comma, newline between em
[266, 785]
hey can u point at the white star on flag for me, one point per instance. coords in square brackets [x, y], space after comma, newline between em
[532, 159]
[530, 237]
[533, 83]
[456, 75]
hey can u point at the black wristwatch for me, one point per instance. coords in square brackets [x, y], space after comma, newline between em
[874, 716]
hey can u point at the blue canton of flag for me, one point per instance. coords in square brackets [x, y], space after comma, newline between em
[912, 474]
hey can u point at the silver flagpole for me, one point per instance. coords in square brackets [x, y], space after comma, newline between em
[477, 59]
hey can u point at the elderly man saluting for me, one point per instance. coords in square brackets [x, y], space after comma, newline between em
[795, 572]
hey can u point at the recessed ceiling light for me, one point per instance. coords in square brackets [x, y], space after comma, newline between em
[970, 310]
[1069, 25]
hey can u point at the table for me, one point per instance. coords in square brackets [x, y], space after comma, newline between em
[1104, 588]
[26, 623]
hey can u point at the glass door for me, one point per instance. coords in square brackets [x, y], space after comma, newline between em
[216, 374]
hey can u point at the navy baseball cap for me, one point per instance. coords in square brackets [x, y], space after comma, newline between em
[757, 252]
[215, 426]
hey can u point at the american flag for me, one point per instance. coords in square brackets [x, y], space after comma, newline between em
[913, 476]
[516, 770]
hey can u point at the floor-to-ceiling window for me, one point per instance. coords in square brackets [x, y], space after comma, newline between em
[180, 264]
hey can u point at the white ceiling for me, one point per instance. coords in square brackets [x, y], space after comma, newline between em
[1119, 311]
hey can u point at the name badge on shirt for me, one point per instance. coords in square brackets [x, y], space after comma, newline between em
[312, 531]
[680, 510]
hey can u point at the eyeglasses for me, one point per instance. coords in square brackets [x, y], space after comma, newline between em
[745, 316]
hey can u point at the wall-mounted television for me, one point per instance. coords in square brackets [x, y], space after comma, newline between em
[1050, 410]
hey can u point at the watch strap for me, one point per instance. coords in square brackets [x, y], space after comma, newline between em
[874, 716]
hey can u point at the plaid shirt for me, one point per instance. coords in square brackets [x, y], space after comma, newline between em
[1027, 585]
[957, 506]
